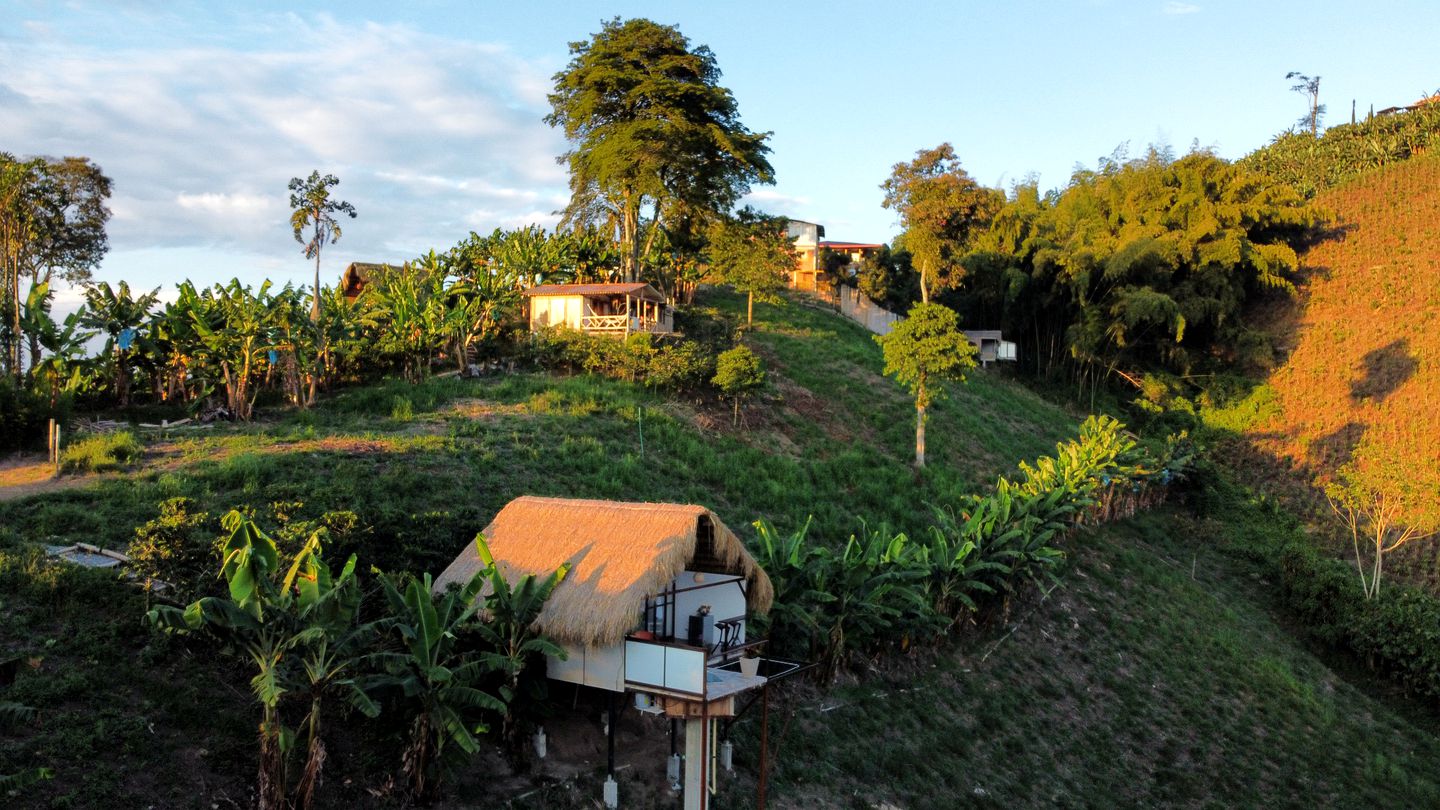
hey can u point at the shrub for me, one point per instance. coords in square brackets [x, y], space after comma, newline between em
[402, 409]
[178, 547]
[101, 453]
[675, 365]
[25, 416]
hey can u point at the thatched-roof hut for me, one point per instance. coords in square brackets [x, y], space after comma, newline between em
[656, 603]
[622, 555]
[359, 275]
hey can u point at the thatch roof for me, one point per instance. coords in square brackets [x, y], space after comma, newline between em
[359, 275]
[620, 553]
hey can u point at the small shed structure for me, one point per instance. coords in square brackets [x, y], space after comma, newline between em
[991, 346]
[359, 275]
[607, 309]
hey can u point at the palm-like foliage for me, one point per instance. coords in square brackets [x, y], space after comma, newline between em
[235, 330]
[312, 208]
[61, 368]
[434, 675]
[413, 317]
[515, 645]
[118, 314]
[301, 622]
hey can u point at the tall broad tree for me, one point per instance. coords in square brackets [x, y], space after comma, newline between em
[649, 125]
[52, 223]
[753, 253]
[921, 352]
[311, 207]
[942, 208]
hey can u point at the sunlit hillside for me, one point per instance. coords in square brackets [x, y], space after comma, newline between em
[1361, 382]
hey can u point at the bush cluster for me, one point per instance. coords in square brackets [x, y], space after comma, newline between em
[25, 416]
[675, 365]
[1397, 633]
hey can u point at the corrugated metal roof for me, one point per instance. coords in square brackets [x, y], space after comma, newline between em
[641, 289]
[850, 245]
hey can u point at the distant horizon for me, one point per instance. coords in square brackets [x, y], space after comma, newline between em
[431, 116]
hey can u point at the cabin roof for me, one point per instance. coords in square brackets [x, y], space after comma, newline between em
[638, 290]
[620, 554]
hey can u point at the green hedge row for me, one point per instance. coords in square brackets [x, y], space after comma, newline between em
[1397, 633]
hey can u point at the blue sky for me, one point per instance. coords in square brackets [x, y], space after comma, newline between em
[429, 112]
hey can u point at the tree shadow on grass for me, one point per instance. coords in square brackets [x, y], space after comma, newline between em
[1384, 370]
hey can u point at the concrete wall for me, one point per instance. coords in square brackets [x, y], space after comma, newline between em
[860, 309]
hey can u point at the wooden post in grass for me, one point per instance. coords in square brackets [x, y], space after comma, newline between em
[52, 445]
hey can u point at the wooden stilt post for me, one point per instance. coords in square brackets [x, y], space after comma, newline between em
[610, 756]
[764, 745]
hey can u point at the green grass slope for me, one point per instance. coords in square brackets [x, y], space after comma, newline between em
[1153, 675]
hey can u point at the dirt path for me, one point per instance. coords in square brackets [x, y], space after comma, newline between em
[25, 475]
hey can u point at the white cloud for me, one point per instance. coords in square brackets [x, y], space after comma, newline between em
[776, 202]
[430, 136]
[1175, 7]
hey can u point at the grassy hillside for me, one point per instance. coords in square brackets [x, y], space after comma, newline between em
[1154, 674]
[1362, 376]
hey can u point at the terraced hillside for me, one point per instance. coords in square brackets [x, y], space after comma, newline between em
[1155, 673]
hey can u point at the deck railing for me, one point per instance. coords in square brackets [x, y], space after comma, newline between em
[617, 323]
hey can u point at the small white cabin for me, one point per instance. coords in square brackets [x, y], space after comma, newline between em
[610, 309]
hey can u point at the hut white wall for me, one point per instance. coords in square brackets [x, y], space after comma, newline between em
[726, 601]
[600, 667]
[557, 310]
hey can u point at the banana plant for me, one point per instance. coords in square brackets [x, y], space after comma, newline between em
[435, 676]
[874, 597]
[119, 314]
[514, 643]
[789, 561]
[234, 330]
[62, 367]
[285, 625]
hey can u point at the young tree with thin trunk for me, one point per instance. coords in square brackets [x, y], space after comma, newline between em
[1382, 505]
[738, 374]
[921, 352]
[752, 253]
[1309, 87]
[312, 208]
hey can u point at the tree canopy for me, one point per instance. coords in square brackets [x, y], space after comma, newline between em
[1140, 264]
[52, 221]
[753, 253]
[649, 124]
[920, 352]
[941, 207]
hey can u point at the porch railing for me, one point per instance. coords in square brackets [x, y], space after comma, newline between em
[617, 323]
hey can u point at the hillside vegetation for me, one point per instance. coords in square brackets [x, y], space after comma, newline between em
[1360, 384]
[1155, 673]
